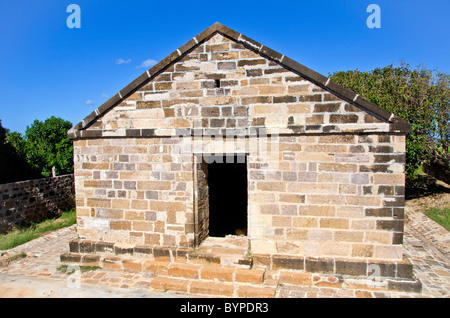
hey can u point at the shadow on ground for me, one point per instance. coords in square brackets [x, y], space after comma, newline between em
[424, 185]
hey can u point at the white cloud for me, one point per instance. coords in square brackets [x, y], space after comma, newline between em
[104, 95]
[122, 61]
[89, 102]
[147, 63]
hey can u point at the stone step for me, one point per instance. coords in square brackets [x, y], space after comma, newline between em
[199, 279]
[208, 254]
[235, 255]
[204, 257]
[235, 280]
[165, 267]
[212, 288]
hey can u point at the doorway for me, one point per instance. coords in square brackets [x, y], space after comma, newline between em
[228, 195]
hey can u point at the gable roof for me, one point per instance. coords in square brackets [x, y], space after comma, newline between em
[397, 124]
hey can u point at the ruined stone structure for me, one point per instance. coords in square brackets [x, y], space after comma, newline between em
[323, 169]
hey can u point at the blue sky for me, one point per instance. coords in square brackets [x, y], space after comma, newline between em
[48, 69]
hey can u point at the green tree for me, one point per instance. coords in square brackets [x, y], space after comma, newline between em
[46, 145]
[17, 141]
[419, 95]
[13, 166]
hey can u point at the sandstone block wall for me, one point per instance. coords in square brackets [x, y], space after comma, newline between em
[329, 195]
[334, 195]
[25, 202]
[131, 190]
[221, 87]
[325, 177]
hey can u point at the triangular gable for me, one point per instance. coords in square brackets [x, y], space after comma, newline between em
[396, 124]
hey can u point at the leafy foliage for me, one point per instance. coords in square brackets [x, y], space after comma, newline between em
[13, 166]
[46, 145]
[420, 96]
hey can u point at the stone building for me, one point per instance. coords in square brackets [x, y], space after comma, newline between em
[227, 137]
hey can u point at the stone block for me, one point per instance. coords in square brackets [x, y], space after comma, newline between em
[256, 292]
[381, 269]
[271, 186]
[316, 210]
[292, 198]
[349, 236]
[169, 284]
[184, 270]
[132, 265]
[319, 265]
[390, 225]
[148, 104]
[405, 286]
[249, 275]
[295, 278]
[344, 119]
[90, 260]
[162, 253]
[270, 209]
[334, 223]
[281, 221]
[155, 267]
[211, 288]
[393, 252]
[389, 179]
[350, 267]
[262, 260]
[217, 273]
[120, 225]
[143, 249]
[326, 107]
[203, 258]
[74, 246]
[379, 212]
[337, 167]
[288, 262]
[112, 263]
[70, 258]
[404, 270]
[362, 250]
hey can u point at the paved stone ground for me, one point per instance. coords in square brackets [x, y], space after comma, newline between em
[37, 275]
[427, 245]
[12, 286]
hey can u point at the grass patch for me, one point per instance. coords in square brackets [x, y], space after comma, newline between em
[70, 270]
[440, 216]
[20, 236]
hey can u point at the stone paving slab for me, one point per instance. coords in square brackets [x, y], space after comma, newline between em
[29, 287]
[433, 235]
[430, 266]
[40, 268]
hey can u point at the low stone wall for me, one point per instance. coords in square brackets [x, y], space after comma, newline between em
[25, 202]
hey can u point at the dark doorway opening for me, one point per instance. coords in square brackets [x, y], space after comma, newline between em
[227, 185]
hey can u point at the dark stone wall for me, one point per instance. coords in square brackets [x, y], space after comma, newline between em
[26, 202]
